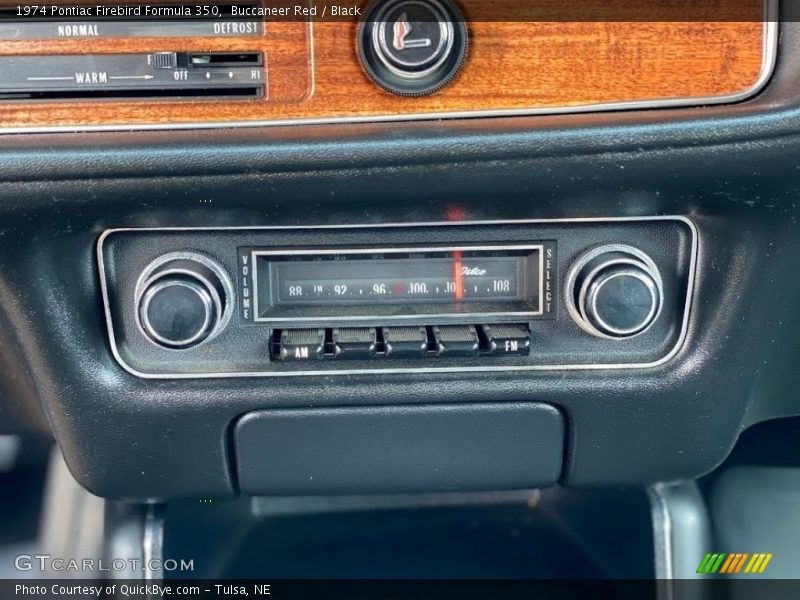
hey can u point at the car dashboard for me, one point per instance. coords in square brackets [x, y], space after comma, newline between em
[400, 247]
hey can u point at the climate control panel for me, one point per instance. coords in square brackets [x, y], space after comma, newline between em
[520, 295]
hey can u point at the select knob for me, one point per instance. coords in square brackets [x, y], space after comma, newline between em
[183, 300]
[615, 292]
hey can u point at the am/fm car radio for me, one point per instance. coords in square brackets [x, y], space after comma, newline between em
[535, 295]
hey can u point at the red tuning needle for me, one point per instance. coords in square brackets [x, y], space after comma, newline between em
[457, 276]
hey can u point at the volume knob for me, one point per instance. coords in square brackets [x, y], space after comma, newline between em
[183, 300]
[615, 292]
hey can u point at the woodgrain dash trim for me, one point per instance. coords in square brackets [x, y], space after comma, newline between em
[513, 69]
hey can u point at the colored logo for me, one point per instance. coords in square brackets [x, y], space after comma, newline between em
[401, 30]
[715, 562]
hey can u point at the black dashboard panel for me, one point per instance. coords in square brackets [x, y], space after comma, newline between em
[731, 170]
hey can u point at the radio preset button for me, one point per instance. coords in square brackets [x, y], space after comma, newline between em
[302, 344]
[457, 340]
[404, 342]
[507, 338]
[354, 342]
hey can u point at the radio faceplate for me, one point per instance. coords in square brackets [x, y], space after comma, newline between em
[386, 285]
[395, 298]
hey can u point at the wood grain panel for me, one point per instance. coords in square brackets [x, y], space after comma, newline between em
[511, 65]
